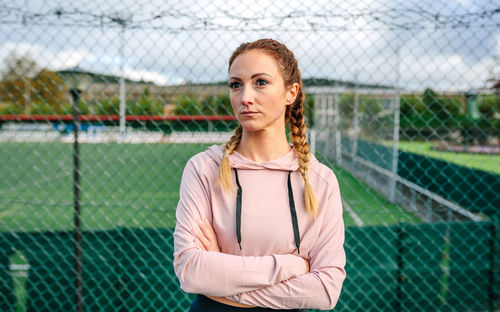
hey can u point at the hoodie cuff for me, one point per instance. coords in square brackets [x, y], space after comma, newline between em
[289, 266]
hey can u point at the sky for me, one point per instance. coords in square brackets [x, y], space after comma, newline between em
[411, 44]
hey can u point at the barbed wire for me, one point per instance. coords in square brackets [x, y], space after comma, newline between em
[180, 19]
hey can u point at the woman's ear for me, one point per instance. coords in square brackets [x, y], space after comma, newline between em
[291, 93]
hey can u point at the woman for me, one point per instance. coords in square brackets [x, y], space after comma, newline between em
[259, 222]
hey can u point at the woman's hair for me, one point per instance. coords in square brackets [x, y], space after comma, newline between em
[294, 115]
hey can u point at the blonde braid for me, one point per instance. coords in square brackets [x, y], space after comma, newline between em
[298, 129]
[294, 113]
[224, 177]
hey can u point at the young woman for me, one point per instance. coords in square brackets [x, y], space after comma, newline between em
[259, 221]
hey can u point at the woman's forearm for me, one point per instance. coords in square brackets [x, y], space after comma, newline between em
[229, 302]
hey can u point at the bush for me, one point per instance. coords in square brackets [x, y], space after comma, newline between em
[309, 109]
[11, 109]
[145, 105]
[110, 106]
[187, 105]
[42, 108]
[83, 108]
[489, 105]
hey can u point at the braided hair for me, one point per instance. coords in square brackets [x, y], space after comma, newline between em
[294, 115]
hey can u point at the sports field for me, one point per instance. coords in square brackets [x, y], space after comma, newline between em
[488, 163]
[129, 185]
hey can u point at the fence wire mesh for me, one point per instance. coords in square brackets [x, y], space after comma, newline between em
[102, 104]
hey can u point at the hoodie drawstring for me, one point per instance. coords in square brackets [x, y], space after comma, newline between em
[293, 212]
[238, 209]
[291, 201]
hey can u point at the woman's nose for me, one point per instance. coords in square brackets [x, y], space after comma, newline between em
[247, 96]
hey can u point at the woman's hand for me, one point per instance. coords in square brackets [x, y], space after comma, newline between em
[308, 266]
[207, 240]
[205, 236]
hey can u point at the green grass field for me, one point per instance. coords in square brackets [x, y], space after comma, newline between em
[489, 163]
[129, 185]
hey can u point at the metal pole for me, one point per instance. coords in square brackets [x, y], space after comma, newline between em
[395, 138]
[122, 85]
[27, 96]
[355, 124]
[325, 124]
[400, 276]
[491, 273]
[75, 94]
[338, 137]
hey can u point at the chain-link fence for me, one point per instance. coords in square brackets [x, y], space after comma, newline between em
[102, 104]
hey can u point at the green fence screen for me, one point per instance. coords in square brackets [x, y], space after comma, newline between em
[433, 267]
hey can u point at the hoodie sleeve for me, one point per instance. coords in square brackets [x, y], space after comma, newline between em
[214, 273]
[321, 287]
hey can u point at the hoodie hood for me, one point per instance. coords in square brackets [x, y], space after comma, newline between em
[287, 162]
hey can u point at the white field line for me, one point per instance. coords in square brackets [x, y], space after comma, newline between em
[131, 137]
[353, 215]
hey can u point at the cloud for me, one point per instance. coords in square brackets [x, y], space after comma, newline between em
[150, 76]
[444, 58]
[45, 57]
[67, 59]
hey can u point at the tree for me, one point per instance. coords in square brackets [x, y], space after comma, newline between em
[223, 105]
[451, 108]
[19, 66]
[489, 105]
[411, 105]
[216, 105]
[16, 81]
[309, 109]
[346, 106]
[109, 106]
[146, 105]
[24, 85]
[48, 88]
[434, 106]
[369, 107]
[187, 105]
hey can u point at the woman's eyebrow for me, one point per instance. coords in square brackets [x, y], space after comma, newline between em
[258, 74]
[253, 76]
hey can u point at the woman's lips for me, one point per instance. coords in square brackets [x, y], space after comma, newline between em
[248, 113]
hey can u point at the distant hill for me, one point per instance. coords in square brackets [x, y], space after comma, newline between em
[325, 82]
[103, 78]
[308, 82]
[316, 82]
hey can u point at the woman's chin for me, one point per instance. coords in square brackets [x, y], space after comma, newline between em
[251, 126]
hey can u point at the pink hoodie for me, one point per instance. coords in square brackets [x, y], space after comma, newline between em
[267, 271]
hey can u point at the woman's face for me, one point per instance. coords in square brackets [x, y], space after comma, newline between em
[257, 91]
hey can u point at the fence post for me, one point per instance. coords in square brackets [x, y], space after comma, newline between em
[395, 137]
[338, 135]
[75, 94]
[401, 278]
[354, 151]
[491, 285]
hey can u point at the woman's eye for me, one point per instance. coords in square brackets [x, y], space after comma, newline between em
[262, 82]
[234, 85]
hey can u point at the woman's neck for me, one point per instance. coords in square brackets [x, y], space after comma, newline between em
[263, 146]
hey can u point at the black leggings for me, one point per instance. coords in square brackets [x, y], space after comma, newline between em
[204, 304]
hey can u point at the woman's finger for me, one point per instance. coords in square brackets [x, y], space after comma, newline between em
[198, 243]
[208, 230]
[201, 237]
[210, 239]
